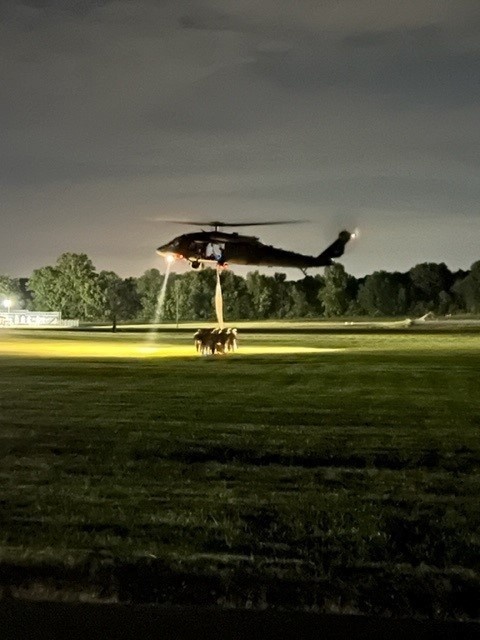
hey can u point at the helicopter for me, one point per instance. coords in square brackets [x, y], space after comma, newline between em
[219, 248]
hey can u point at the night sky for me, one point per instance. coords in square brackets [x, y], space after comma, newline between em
[347, 113]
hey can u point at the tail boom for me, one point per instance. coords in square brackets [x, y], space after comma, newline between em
[335, 250]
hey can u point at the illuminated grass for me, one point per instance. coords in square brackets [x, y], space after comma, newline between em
[120, 345]
[346, 476]
[112, 349]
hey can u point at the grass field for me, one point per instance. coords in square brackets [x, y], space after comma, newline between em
[321, 470]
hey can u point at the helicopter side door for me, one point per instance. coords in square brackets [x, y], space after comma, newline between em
[215, 251]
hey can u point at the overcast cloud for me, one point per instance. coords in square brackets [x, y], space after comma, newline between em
[348, 113]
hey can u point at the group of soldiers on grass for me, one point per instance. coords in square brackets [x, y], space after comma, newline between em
[211, 341]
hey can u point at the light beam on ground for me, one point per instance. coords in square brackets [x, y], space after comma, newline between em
[97, 346]
[160, 308]
[219, 300]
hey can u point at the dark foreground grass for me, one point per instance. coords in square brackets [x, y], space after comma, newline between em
[329, 481]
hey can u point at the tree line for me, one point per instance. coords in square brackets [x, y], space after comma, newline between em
[74, 287]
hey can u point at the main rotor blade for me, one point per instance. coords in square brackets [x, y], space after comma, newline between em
[259, 224]
[218, 223]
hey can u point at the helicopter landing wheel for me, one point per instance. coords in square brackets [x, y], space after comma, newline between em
[195, 264]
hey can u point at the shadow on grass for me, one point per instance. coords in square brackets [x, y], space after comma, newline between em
[421, 593]
[464, 461]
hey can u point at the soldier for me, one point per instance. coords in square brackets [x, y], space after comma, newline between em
[221, 340]
[211, 341]
[201, 338]
[232, 343]
[217, 341]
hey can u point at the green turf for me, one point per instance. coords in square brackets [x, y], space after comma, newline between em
[343, 480]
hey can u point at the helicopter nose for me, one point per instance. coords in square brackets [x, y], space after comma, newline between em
[168, 253]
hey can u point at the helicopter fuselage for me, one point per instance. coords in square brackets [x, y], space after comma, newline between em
[220, 248]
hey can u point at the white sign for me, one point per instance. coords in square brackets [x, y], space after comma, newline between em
[23, 318]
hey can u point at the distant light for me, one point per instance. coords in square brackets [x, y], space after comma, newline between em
[7, 303]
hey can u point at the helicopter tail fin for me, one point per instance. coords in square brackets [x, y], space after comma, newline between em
[335, 250]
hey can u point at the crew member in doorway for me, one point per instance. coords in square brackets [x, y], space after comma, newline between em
[215, 252]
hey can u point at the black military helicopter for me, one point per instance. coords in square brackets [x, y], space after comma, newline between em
[219, 248]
